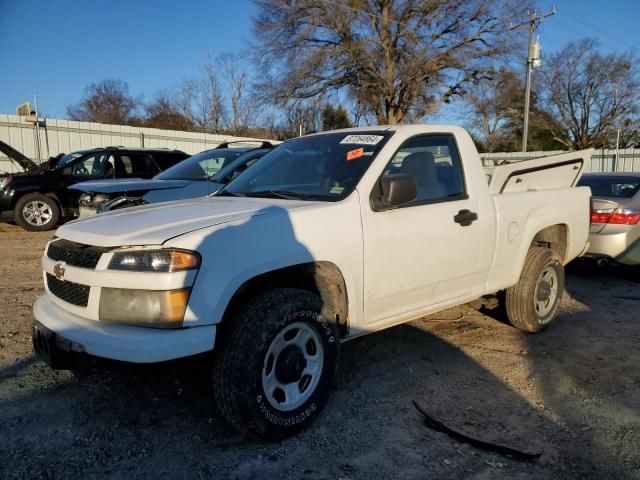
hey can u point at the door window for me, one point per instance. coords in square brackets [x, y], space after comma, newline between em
[96, 165]
[434, 163]
[134, 165]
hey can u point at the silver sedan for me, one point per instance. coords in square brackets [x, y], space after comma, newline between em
[615, 216]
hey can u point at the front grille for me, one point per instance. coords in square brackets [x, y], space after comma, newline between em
[75, 254]
[70, 292]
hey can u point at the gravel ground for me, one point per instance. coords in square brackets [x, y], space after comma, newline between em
[572, 392]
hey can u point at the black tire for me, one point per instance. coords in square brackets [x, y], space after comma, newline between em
[243, 355]
[525, 304]
[44, 219]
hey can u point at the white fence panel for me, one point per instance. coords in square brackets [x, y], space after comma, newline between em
[603, 160]
[58, 136]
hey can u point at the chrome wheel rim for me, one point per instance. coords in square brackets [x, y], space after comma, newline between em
[546, 292]
[292, 366]
[37, 213]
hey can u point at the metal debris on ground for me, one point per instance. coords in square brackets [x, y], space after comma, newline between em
[438, 426]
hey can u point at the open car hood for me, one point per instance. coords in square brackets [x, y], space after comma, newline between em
[128, 185]
[19, 158]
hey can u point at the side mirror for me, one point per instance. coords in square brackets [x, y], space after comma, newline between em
[397, 189]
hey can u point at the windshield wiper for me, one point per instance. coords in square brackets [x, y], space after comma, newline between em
[227, 193]
[275, 194]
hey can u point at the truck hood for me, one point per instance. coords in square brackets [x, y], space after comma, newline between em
[128, 185]
[156, 223]
[18, 157]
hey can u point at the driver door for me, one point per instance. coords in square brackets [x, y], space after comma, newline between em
[421, 254]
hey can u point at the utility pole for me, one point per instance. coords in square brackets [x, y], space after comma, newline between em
[533, 61]
[37, 125]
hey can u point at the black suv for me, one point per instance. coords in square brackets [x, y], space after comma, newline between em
[38, 198]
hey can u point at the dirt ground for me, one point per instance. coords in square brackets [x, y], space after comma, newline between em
[571, 392]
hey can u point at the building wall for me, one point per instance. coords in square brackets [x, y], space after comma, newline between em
[58, 136]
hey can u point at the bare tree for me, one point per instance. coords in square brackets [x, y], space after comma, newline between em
[496, 112]
[489, 117]
[236, 77]
[399, 59]
[199, 99]
[107, 101]
[591, 94]
[163, 112]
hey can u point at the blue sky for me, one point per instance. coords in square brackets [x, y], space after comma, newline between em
[56, 48]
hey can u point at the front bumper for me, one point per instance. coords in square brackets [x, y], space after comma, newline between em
[84, 212]
[69, 333]
[7, 215]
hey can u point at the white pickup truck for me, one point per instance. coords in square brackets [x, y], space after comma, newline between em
[330, 237]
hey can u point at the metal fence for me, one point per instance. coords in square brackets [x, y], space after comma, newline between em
[603, 160]
[57, 136]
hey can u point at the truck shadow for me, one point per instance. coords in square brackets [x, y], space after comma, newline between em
[159, 420]
[124, 420]
[586, 366]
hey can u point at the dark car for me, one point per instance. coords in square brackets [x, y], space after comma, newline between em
[39, 197]
[198, 176]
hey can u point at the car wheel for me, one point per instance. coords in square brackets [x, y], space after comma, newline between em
[276, 364]
[532, 303]
[36, 212]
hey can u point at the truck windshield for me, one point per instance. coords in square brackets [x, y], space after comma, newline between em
[318, 167]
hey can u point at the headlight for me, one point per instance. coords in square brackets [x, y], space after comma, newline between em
[85, 200]
[164, 260]
[147, 308]
[5, 181]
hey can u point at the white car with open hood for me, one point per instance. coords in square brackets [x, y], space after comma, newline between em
[329, 237]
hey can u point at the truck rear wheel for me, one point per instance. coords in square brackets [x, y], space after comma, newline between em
[533, 302]
[275, 367]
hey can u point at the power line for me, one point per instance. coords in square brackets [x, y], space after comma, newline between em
[598, 29]
[569, 27]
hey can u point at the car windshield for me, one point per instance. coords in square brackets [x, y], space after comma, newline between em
[68, 158]
[615, 187]
[200, 166]
[318, 167]
[232, 169]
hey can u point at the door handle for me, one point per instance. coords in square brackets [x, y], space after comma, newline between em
[465, 217]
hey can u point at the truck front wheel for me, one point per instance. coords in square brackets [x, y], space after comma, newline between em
[533, 302]
[276, 364]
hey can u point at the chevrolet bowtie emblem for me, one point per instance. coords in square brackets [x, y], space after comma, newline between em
[58, 271]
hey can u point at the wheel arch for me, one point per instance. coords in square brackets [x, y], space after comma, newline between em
[322, 278]
[554, 237]
[42, 191]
